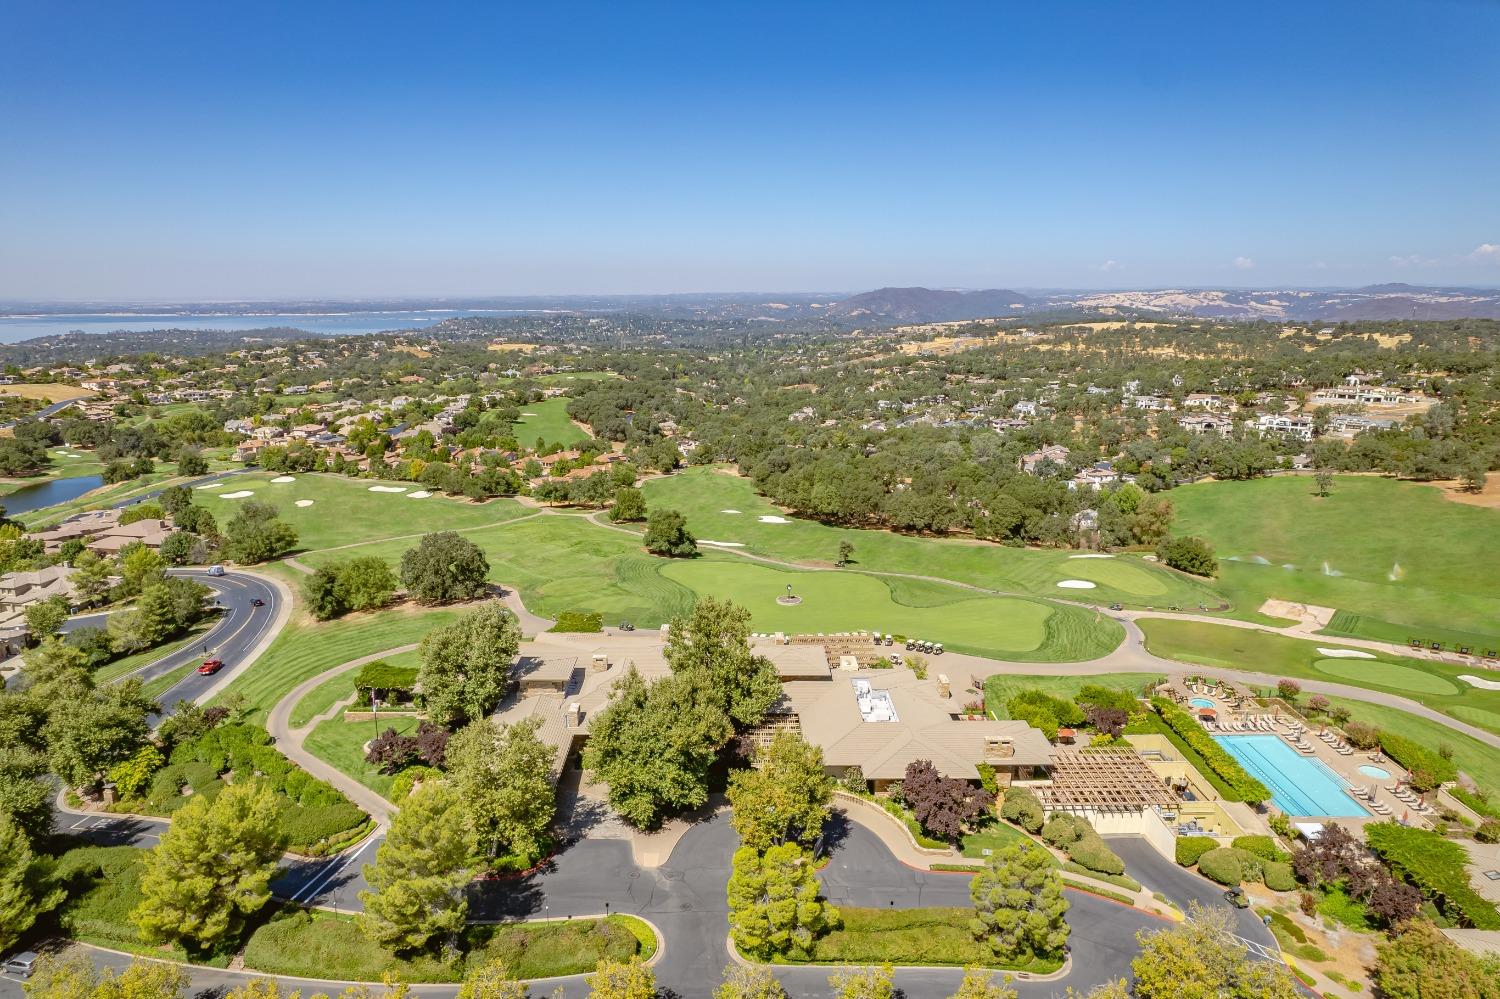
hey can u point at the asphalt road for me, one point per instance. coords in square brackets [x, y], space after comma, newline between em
[1182, 886]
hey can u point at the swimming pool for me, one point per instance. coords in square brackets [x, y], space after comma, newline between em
[1299, 785]
[1201, 702]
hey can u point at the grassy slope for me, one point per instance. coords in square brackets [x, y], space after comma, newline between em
[341, 744]
[326, 694]
[1478, 760]
[1000, 688]
[1433, 684]
[550, 423]
[703, 493]
[344, 511]
[1445, 555]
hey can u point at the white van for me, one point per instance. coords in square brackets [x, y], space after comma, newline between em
[216, 570]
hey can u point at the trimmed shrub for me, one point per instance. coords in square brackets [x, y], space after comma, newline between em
[1091, 852]
[987, 779]
[1488, 831]
[1223, 865]
[1042, 711]
[1263, 847]
[1064, 829]
[578, 621]
[1190, 848]
[305, 828]
[1437, 867]
[1279, 877]
[1022, 808]
[408, 778]
[1427, 768]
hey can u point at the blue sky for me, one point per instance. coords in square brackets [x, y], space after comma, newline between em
[322, 150]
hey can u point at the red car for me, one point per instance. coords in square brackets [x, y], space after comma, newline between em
[210, 667]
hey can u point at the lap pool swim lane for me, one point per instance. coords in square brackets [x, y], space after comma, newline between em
[1300, 785]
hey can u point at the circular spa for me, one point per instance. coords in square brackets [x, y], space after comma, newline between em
[1379, 773]
[1202, 702]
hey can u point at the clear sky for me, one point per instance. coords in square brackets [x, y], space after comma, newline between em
[261, 150]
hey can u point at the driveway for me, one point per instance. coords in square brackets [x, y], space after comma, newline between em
[1182, 886]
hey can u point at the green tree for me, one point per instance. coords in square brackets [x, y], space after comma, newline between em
[177, 547]
[26, 792]
[130, 776]
[45, 617]
[88, 731]
[139, 568]
[22, 895]
[420, 872]
[1323, 481]
[493, 981]
[212, 868]
[90, 578]
[630, 504]
[75, 977]
[465, 665]
[654, 745]
[503, 775]
[979, 983]
[774, 906]
[749, 981]
[1203, 959]
[191, 462]
[169, 607]
[320, 592]
[1190, 554]
[784, 797]
[863, 983]
[366, 583]
[667, 534]
[445, 568]
[257, 534]
[714, 643]
[1019, 907]
[1421, 963]
[846, 552]
[622, 980]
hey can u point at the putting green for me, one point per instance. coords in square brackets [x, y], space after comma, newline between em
[854, 602]
[1114, 572]
[1477, 716]
[1365, 671]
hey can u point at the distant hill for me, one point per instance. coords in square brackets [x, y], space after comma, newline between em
[929, 305]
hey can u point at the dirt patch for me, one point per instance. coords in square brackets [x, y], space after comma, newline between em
[1489, 496]
[1309, 616]
[49, 392]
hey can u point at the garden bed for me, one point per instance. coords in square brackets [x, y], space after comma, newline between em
[937, 937]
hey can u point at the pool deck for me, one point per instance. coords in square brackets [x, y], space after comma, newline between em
[1238, 708]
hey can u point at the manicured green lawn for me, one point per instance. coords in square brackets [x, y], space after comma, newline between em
[703, 494]
[334, 689]
[323, 945]
[548, 420]
[306, 648]
[341, 744]
[1397, 554]
[1000, 688]
[344, 511]
[1434, 684]
[1010, 627]
[995, 835]
[936, 936]
[125, 664]
[157, 688]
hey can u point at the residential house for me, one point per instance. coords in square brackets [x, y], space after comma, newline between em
[1056, 454]
[1285, 425]
[1206, 423]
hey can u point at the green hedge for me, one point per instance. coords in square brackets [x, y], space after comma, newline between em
[1436, 866]
[577, 621]
[1479, 803]
[381, 675]
[1042, 711]
[1190, 848]
[1263, 847]
[1076, 837]
[1278, 876]
[1241, 786]
[1022, 808]
[1416, 757]
[1229, 866]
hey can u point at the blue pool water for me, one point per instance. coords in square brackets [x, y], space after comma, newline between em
[1300, 785]
[1202, 702]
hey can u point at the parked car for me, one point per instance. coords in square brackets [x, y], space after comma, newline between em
[1237, 898]
[21, 965]
[210, 667]
[216, 570]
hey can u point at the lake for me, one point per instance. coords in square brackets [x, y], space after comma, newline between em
[15, 328]
[40, 494]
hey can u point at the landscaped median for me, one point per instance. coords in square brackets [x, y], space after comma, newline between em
[104, 887]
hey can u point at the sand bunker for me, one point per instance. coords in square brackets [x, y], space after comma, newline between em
[722, 544]
[1475, 681]
[419, 494]
[528, 414]
[387, 489]
[1092, 555]
[303, 503]
[1344, 653]
[283, 478]
[774, 520]
[1075, 584]
[237, 495]
[211, 485]
[729, 511]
